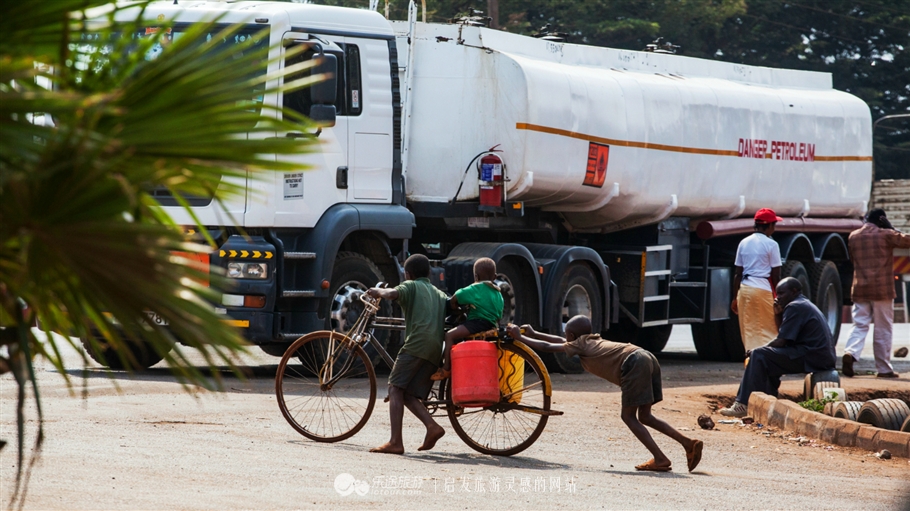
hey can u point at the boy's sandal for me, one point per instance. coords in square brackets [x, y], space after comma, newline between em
[651, 466]
[693, 456]
[441, 374]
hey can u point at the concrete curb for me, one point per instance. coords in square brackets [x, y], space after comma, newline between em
[787, 415]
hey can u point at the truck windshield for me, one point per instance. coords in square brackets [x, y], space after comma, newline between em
[253, 39]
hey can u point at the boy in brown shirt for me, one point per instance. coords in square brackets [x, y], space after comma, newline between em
[635, 370]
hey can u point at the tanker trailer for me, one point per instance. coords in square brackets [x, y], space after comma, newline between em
[656, 162]
[611, 183]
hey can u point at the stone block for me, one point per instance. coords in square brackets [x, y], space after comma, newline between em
[777, 413]
[811, 424]
[759, 403]
[866, 437]
[895, 441]
[846, 432]
[795, 416]
[829, 429]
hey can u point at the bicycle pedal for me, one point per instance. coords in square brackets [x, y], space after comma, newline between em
[386, 399]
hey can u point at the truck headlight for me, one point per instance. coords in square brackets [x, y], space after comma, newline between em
[248, 270]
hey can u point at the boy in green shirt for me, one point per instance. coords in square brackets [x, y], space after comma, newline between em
[484, 301]
[409, 382]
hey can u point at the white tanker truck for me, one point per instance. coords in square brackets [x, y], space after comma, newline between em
[611, 183]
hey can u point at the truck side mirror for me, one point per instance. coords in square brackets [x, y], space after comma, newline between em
[323, 115]
[324, 92]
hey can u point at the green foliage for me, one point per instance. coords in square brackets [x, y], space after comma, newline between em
[816, 405]
[89, 127]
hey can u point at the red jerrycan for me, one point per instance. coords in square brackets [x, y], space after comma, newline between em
[475, 374]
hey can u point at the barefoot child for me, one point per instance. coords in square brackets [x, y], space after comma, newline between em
[409, 382]
[635, 370]
[484, 301]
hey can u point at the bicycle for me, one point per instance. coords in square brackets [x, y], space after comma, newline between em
[326, 388]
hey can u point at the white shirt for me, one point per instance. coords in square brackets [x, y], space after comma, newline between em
[757, 254]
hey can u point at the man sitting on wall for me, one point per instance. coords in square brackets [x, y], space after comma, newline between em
[803, 345]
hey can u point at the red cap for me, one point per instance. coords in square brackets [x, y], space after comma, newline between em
[766, 216]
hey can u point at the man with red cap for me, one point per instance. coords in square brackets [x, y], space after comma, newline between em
[757, 273]
[872, 252]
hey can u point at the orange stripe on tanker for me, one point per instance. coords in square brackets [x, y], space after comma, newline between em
[747, 148]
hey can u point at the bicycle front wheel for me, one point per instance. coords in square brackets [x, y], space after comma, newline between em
[326, 386]
[513, 424]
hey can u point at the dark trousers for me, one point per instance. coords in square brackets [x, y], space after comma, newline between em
[766, 366]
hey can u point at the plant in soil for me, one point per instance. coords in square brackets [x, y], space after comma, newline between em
[816, 405]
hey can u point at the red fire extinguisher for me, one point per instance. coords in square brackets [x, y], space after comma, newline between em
[491, 182]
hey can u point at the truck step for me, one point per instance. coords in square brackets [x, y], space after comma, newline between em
[300, 255]
[298, 294]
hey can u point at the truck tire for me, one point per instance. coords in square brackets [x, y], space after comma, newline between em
[523, 295]
[352, 275]
[812, 379]
[578, 293]
[847, 410]
[829, 296]
[719, 341]
[709, 341]
[905, 428]
[100, 351]
[653, 339]
[818, 392]
[798, 271]
[884, 413]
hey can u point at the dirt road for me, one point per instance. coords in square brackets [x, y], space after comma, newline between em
[153, 446]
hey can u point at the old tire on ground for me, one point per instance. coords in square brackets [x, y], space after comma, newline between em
[829, 408]
[847, 410]
[828, 294]
[905, 428]
[884, 413]
[798, 271]
[577, 294]
[103, 353]
[818, 392]
[812, 378]
[653, 338]
[352, 275]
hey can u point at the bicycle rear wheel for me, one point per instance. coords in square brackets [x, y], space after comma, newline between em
[326, 386]
[513, 424]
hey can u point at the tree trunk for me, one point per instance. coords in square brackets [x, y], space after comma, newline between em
[493, 13]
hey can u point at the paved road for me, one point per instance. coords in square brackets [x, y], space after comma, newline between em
[154, 446]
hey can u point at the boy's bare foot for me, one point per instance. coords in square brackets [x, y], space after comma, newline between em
[441, 374]
[693, 453]
[432, 437]
[652, 466]
[389, 448]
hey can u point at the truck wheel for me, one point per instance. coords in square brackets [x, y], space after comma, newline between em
[733, 340]
[653, 338]
[577, 293]
[906, 426]
[104, 354]
[884, 413]
[352, 276]
[798, 271]
[829, 296]
[522, 297]
[709, 341]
